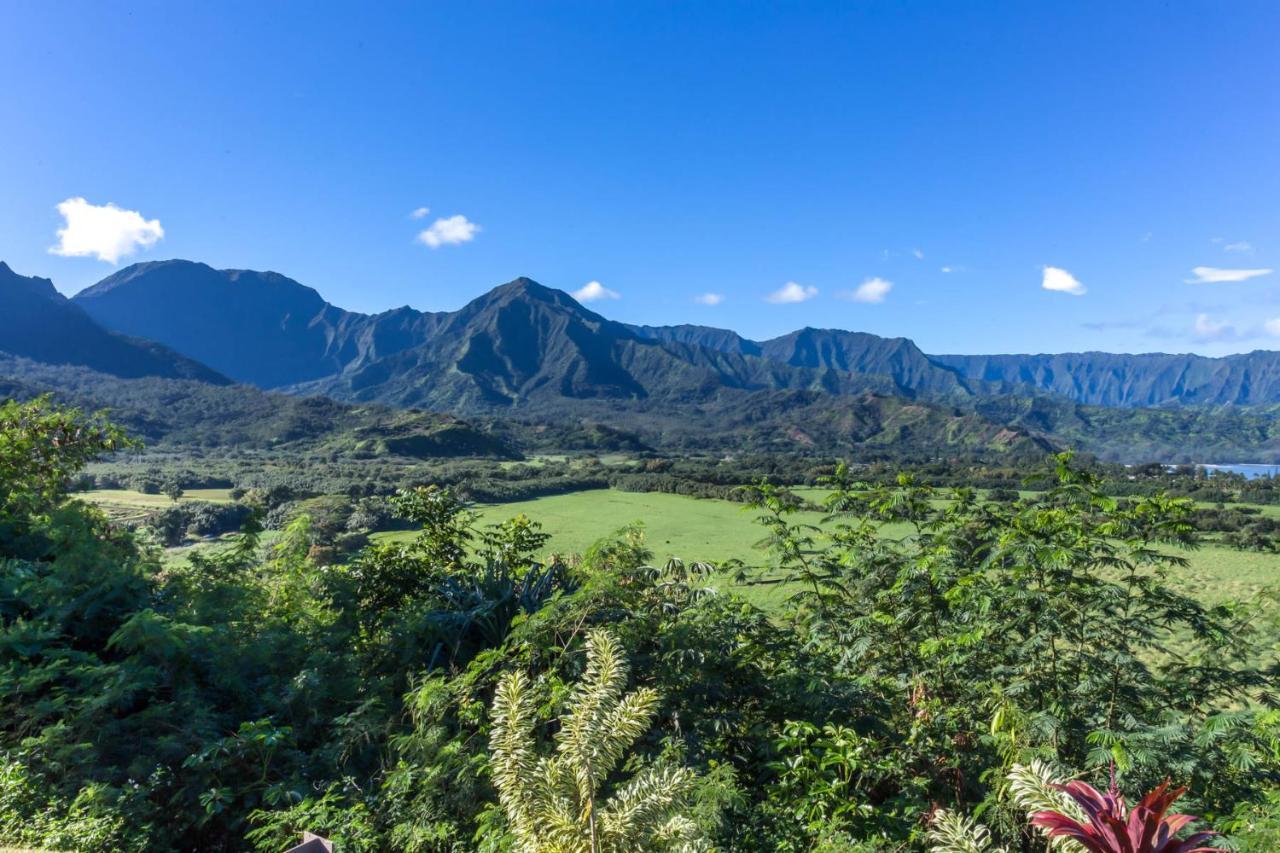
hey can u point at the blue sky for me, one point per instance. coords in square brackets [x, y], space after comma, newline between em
[916, 169]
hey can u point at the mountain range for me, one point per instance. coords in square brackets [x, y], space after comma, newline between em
[526, 348]
[522, 342]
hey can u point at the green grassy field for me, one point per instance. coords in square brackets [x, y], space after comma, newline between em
[715, 530]
[130, 498]
[718, 531]
[128, 506]
[675, 525]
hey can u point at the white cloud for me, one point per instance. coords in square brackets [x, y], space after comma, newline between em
[948, 269]
[918, 253]
[420, 212]
[1208, 329]
[872, 291]
[593, 291]
[709, 298]
[1272, 327]
[1216, 275]
[1061, 281]
[1240, 247]
[792, 292]
[449, 231]
[104, 231]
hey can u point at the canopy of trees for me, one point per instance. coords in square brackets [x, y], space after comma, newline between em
[405, 698]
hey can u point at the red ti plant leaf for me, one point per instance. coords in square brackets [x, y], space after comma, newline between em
[1111, 827]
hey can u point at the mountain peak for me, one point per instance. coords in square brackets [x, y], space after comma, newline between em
[260, 327]
[27, 283]
[528, 292]
[39, 323]
[527, 287]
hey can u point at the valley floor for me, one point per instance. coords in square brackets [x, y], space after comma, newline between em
[718, 531]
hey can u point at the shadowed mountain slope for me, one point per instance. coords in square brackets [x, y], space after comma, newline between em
[898, 359]
[39, 323]
[257, 327]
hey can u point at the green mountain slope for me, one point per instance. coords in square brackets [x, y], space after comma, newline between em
[523, 345]
[180, 412]
[1146, 380]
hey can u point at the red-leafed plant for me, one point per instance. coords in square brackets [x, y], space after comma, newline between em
[1110, 827]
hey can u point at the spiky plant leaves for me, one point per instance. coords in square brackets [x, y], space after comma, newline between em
[651, 794]
[1037, 787]
[952, 832]
[514, 762]
[1109, 826]
[555, 803]
[601, 724]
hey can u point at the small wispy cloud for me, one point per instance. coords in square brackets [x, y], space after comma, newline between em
[947, 269]
[709, 298]
[791, 292]
[1238, 247]
[918, 253]
[1060, 281]
[1217, 275]
[1272, 327]
[1208, 330]
[872, 291]
[105, 232]
[420, 212]
[449, 231]
[594, 291]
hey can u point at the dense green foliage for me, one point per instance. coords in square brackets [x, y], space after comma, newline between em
[195, 414]
[252, 691]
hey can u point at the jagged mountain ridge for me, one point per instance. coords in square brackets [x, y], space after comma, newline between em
[258, 327]
[1132, 381]
[521, 341]
[540, 344]
[523, 344]
[912, 372]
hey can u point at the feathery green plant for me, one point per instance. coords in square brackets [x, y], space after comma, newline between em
[1035, 787]
[557, 803]
[952, 832]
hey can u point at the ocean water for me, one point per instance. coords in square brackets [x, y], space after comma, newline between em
[1250, 471]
